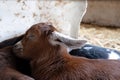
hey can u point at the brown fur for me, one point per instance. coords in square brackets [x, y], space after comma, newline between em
[8, 66]
[52, 62]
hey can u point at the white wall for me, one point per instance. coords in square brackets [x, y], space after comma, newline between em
[103, 12]
[17, 16]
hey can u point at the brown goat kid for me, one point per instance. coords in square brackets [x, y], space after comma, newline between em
[51, 61]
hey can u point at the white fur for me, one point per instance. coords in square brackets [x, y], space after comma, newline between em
[18, 49]
[113, 55]
[20, 44]
[88, 48]
[107, 49]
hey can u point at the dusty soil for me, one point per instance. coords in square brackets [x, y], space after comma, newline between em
[108, 37]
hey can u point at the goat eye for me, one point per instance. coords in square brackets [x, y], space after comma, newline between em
[31, 37]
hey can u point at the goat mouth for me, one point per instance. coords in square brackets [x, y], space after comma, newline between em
[18, 51]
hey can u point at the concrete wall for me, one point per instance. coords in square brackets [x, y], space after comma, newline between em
[103, 12]
[16, 16]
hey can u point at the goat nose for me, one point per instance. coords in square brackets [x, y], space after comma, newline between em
[16, 46]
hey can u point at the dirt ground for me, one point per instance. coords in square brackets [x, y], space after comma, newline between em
[100, 35]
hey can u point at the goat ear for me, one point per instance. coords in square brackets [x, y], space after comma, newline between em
[68, 41]
[75, 44]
